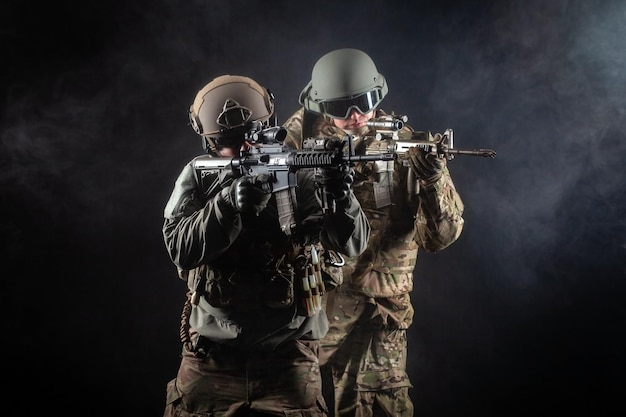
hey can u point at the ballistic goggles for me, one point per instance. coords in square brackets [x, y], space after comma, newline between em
[341, 108]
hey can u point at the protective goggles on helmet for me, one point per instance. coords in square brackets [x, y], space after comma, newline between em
[341, 108]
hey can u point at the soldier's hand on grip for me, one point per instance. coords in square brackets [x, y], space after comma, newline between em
[427, 166]
[249, 195]
[336, 181]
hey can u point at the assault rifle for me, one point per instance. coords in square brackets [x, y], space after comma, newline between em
[269, 157]
[388, 126]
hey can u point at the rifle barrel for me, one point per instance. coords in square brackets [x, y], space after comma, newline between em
[486, 153]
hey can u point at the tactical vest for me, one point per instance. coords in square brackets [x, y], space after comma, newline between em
[386, 267]
[277, 274]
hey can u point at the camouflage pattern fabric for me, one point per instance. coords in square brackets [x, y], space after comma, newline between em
[364, 353]
[233, 382]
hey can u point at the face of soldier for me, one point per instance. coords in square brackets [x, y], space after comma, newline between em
[233, 152]
[354, 122]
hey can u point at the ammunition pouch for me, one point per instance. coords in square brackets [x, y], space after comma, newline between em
[306, 274]
[244, 289]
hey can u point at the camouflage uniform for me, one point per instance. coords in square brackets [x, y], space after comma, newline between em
[365, 349]
[249, 348]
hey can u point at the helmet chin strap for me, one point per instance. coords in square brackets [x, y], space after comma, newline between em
[209, 145]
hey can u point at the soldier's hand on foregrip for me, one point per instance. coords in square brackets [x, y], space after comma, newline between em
[249, 194]
[427, 166]
[336, 181]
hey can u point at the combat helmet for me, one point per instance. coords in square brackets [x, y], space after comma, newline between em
[342, 80]
[229, 108]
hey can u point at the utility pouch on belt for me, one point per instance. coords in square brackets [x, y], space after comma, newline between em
[332, 271]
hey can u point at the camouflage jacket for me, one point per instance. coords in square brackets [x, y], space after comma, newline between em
[400, 223]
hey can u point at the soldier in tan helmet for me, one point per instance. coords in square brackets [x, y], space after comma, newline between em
[364, 353]
[250, 343]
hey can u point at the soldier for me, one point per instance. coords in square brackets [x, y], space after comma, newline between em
[365, 350]
[249, 329]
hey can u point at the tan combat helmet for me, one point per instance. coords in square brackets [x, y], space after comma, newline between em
[228, 107]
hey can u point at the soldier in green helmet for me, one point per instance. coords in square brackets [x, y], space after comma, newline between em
[364, 353]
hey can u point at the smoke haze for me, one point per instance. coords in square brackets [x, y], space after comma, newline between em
[523, 314]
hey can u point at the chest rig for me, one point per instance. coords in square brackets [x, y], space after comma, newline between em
[295, 270]
[379, 173]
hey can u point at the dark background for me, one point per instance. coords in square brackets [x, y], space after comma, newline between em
[523, 315]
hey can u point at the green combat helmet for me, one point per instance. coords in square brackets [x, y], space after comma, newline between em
[342, 80]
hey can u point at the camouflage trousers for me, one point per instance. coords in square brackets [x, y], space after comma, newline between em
[231, 382]
[364, 356]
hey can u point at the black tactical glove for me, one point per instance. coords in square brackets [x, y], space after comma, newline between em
[248, 195]
[427, 166]
[336, 181]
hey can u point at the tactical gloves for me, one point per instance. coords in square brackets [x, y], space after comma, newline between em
[336, 181]
[427, 166]
[248, 195]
